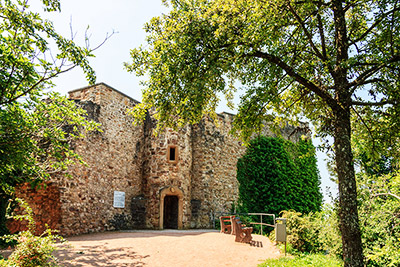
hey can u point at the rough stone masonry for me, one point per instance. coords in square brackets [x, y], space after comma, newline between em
[136, 180]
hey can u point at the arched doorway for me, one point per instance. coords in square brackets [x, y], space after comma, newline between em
[171, 208]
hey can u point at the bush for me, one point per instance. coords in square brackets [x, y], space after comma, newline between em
[276, 174]
[379, 215]
[315, 232]
[302, 234]
[327, 224]
[31, 250]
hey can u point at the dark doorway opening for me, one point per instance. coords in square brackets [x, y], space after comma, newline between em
[171, 212]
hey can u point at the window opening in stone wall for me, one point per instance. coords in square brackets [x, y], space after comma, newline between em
[172, 155]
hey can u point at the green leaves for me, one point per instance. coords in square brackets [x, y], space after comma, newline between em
[36, 134]
[379, 198]
[26, 63]
[37, 131]
[284, 55]
[36, 138]
[31, 249]
[276, 175]
[325, 61]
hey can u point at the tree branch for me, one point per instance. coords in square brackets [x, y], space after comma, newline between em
[300, 79]
[306, 32]
[322, 35]
[372, 104]
[35, 85]
[387, 194]
[376, 23]
[366, 126]
[376, 80]
[368, 73]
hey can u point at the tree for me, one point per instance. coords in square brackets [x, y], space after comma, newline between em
[329, 61]
[276, 175]
[36, 134]
[36, 138]
[27, 64]
[33, 134]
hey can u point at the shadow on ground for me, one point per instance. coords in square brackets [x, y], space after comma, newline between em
[126, 234]
[258, 244]
[97, 256]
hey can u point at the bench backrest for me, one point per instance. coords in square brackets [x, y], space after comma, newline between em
[237, 223]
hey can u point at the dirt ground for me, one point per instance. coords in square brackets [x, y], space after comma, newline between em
[192, 248]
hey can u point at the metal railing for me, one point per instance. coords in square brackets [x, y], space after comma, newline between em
[261, 220]
[280, 230]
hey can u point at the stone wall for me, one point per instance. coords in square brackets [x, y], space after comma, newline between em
[114, 163]
[46, 208]
[215, 155]
[159, 173]
[214, 184]
[131, 159]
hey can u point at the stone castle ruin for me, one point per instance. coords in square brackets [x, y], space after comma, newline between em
[135, 180]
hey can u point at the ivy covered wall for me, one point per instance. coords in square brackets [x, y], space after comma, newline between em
[276, 175]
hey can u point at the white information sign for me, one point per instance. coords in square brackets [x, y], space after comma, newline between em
[119, 199]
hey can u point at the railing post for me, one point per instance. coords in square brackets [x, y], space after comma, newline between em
[261, 225]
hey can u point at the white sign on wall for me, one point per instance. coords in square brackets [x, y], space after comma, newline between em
[119, 199]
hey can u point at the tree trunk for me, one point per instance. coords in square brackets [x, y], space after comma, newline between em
[348, 214]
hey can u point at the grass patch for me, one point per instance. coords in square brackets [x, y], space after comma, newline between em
[315, 260]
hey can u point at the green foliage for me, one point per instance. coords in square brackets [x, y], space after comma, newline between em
[200, 49]
[379, 201]
[312, 260]
[379, 205]
[276, 175]
[35, 141]
[301, 231]
[4, 202]
[31, 250]
[27, 65]
[336, 63]
[36, 137]
[326, 224]
[313, 232]
[35, 134]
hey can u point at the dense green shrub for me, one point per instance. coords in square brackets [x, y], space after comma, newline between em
[313, 232]
[276, 174]
[302, 232]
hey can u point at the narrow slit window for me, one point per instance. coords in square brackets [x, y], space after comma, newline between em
[172, 154]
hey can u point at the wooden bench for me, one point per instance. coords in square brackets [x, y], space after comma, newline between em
[242, 233]
[225, 227]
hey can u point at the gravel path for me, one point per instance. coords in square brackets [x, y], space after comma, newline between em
[189, 248]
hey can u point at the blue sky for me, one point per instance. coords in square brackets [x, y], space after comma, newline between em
[126, 18]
